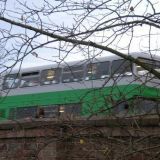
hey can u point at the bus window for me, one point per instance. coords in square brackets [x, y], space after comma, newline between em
[144, 106]
[72, 74]
[29, 79]
[121, 67]
[92, 71]
[70, 109]
[11, 81]
[98, 70]
[24, 112]
[51, 111]
[50, 76]
[153, 64]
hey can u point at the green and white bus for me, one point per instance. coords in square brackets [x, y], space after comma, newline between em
[107, 86]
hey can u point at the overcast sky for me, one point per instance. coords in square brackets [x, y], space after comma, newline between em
[60, 19]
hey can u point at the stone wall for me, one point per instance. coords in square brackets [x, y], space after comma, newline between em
[81, 139]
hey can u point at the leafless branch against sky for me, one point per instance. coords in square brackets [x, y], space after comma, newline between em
[60, 27]
[43, 32]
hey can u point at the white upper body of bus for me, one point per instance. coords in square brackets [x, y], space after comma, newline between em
[74, 73]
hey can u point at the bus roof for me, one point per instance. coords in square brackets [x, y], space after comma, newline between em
[81, 62]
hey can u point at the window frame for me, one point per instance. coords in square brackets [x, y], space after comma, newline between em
[96, 75]
[17, 77]
[50, 111]
[72, 73]
[30, 76]
[115, 74]
[59, 72]
[146, 72]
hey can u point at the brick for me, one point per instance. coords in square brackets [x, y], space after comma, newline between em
[3, 147]
[115, 144]
[30, 146]
[12, 147]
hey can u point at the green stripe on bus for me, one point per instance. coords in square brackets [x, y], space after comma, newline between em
[91, 99]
